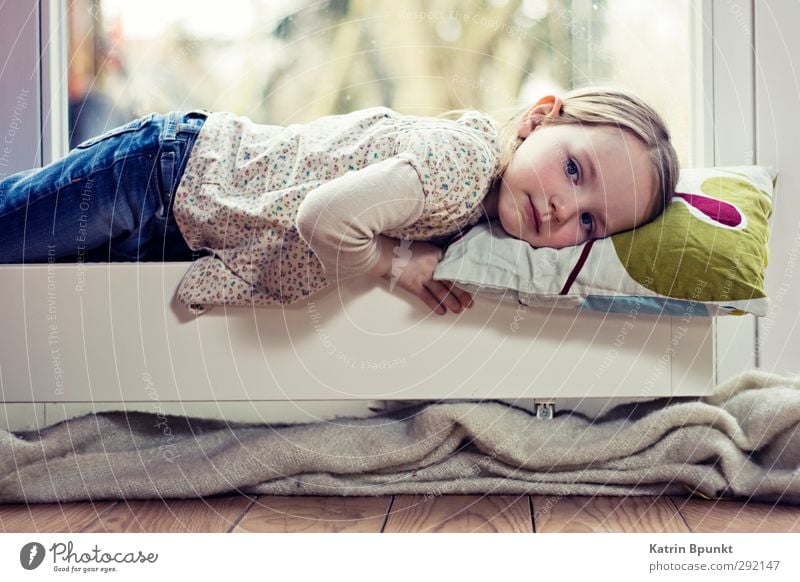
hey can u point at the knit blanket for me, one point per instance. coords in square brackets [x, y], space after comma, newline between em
[742, 441]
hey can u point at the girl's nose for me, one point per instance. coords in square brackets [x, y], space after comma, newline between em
[562, 208]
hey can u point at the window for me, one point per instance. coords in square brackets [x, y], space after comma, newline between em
[291, 61]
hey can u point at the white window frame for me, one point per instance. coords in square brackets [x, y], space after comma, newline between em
[725, 40]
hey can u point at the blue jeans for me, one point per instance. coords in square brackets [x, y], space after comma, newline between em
[109, 199]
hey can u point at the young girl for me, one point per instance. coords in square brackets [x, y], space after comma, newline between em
[271, 214]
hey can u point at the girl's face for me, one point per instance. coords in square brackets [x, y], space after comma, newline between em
[569, 183]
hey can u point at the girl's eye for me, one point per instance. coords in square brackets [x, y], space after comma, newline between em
[586, 218]
[572, 169]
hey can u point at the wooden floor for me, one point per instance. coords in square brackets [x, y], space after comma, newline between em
[405, 513]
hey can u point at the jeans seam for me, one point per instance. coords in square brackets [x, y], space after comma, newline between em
[132, 154]
[114, 162]
[135, 125]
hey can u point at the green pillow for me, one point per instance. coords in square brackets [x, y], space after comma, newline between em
[705, 255]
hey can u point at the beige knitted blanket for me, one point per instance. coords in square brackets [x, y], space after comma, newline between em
[742, 441]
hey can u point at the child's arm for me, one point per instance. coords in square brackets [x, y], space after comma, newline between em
[342, 222]
[342, 219]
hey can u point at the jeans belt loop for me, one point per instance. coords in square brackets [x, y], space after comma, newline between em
[170, 128]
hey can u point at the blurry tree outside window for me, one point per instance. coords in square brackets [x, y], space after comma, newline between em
[291, 61]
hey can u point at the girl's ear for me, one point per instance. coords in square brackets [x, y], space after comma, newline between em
[547, 106]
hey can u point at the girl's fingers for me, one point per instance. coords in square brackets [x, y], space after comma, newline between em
[464, 297]
[442, 292]
[431, 301]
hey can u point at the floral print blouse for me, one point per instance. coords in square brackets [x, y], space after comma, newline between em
[244, 184]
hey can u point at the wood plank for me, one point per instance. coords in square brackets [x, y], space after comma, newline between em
[50, 517]
[606, 514]
[285, 514]
[716, 516]
[407, 514]
[460, 513]
[210, 515]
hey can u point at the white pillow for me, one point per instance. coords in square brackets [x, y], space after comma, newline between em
[705, 255]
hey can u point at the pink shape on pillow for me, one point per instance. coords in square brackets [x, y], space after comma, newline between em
[720, 211]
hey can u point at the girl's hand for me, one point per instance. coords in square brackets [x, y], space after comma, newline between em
[412, 269]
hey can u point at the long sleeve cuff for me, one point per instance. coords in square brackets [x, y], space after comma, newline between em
[341, 219]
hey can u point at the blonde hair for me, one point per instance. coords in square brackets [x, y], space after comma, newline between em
[603, 106]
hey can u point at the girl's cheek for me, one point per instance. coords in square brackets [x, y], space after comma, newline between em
[567, 239]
